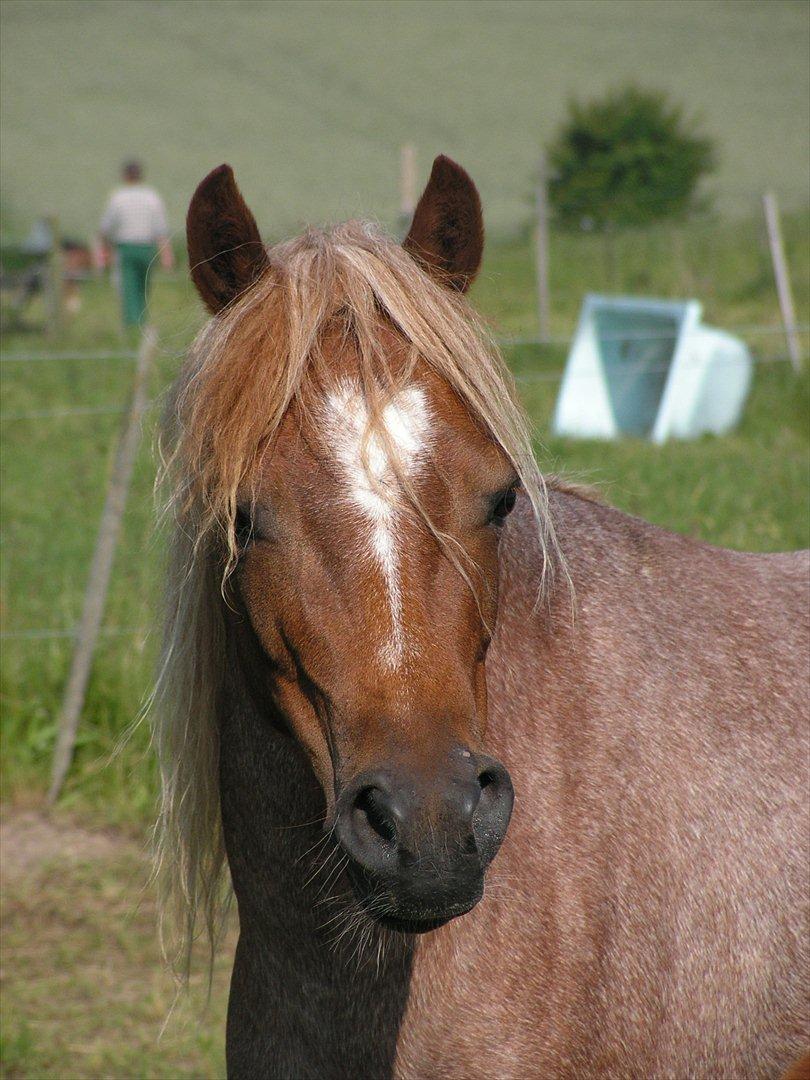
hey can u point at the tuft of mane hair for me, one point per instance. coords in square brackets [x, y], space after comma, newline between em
[262, 352]
[588, 492]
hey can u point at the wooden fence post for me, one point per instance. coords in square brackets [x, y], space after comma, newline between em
[407, 184]
[782, 275]
[101, 567]
[541, 252]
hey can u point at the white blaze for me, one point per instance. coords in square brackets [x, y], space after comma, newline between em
[371, 480]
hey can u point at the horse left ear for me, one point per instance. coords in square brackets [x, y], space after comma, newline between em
[225, 251]
[447, 232]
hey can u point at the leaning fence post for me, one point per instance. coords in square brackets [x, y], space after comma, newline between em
[101, 566]
[782, 275]
[541, 252]
[407, 184]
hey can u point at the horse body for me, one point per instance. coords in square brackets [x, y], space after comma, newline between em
[646, 914]
[368, 660]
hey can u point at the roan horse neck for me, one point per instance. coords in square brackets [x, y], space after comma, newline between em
[292, 945]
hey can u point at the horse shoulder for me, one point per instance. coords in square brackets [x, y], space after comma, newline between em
[645, 717]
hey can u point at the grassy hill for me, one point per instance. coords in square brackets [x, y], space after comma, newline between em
[311, 101]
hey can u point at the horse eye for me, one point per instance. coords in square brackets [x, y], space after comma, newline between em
[504, 505]
[243, 528]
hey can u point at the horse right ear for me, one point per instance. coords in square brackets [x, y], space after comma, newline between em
[225, 251]
[447, 233]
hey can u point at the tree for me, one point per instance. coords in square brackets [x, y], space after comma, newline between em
[628, 159]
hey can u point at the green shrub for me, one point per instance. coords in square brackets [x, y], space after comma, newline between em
[628, 159]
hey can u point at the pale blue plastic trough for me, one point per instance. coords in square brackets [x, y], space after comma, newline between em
[649, 368]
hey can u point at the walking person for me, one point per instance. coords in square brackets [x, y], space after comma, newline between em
[135, 225]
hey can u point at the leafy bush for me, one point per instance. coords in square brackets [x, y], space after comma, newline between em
[628, 159]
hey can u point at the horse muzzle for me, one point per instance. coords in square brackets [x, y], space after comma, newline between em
[418, 848]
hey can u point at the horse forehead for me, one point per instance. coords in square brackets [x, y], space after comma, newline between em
[404, 427]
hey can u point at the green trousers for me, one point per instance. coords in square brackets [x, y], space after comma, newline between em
[134, 261]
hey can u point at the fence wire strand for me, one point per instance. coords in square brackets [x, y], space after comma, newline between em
[506, 342]
[63, 357]
[44, 633]
[646, 335]
[60, 414]
[520, 377]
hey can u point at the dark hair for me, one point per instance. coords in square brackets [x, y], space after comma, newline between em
[132, 169]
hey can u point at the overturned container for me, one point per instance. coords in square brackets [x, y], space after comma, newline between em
[650, 369]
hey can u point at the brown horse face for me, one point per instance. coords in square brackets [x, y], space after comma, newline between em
[375, 631]
[379, 643]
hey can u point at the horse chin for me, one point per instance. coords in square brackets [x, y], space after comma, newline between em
[407, 919]
[412, 925]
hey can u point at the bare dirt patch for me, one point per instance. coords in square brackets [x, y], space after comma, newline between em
[32, 839]
[84, 991]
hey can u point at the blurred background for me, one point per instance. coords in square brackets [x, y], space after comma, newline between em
[620, 147]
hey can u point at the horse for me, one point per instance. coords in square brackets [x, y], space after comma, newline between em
[506, 782]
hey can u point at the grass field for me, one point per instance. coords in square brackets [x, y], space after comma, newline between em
[311, 101]
[748, 490]
[84, 994]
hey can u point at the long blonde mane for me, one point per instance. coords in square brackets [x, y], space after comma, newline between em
[252, 361]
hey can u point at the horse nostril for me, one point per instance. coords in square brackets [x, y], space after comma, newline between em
[372, 807]
[487, 777]
[494, 809]
[488, 796]
[489, 783]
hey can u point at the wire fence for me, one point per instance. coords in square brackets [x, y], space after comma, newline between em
[650, 336]
[634, 337]
[522, 378]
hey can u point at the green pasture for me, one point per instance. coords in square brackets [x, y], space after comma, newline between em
[311, 101]
[83, 991]
[746, 490]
